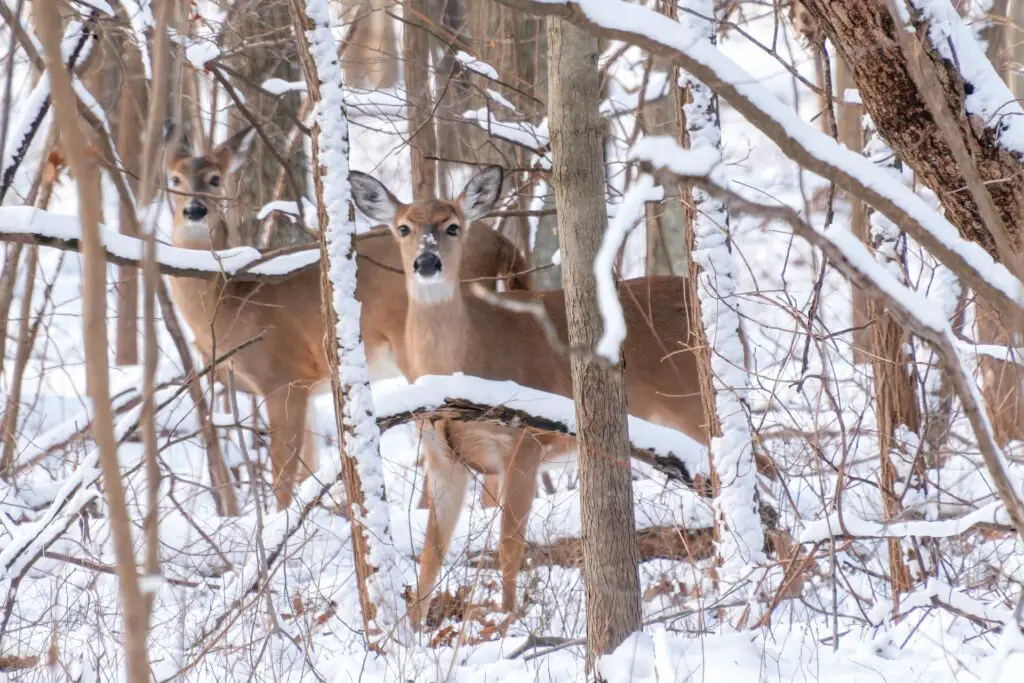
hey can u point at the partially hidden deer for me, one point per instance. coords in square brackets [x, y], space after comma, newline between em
[290, 363]
[448, 331]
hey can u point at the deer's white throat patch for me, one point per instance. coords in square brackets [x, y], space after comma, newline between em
[193, 232]
[432, 290]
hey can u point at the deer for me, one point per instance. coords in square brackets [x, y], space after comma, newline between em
[290, 364]
[447, 331]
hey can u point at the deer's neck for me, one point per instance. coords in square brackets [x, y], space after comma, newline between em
[436, 334]
[200, 236]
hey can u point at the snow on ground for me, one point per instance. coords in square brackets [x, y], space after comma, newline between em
[811, 416]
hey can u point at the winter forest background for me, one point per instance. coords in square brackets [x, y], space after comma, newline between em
[838, 183]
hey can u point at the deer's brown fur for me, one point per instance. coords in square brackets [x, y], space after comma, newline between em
[459, 333]
[288, 364]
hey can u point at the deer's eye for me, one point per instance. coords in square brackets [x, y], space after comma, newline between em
[452, 230]
[403, 230]
[175, 180]
[214, 181]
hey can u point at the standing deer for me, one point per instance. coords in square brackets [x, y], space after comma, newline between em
[448, 332]
[289, 363]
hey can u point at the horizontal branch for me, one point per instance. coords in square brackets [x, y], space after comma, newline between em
[29, 225]
[654, 543]
[467, 411]
[460, 397]
[849, 525]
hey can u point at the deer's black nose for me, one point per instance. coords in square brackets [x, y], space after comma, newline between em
[195, 211]
[427, 264]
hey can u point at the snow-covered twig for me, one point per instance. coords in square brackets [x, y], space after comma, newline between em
[612, 319]
[76, 46]
[850, 525]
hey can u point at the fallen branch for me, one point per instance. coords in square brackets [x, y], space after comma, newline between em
[654, 543]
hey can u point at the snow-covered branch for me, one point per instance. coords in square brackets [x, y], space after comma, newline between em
[29, 225]
[376, 562]
[854, 260]
[671, 452]
[797, 139]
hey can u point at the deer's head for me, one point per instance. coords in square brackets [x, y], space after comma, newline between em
[430, 233]
[197, 188]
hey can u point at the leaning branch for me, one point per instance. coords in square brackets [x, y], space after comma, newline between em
[801, 142]
[852, 258]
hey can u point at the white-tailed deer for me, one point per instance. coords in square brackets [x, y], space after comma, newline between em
[288, 364]
[448, 332]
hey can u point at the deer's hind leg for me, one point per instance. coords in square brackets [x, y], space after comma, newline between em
[446, 481]
[286, 413]
[517, 494]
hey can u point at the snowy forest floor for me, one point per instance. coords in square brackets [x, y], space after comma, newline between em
[811, 409]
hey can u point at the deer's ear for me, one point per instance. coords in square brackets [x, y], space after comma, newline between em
[481, 193]
[372, 198]
[179, 146]
[232, 152]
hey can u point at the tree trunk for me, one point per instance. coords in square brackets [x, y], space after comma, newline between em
[94, 307]
[128, 126]
[451, 87]
[851, 135]
[864, 34]
[895, 403]
[610, 555]
[422, 137]
[254, 184]
[361, 468]
[371, 49]
[718, 336]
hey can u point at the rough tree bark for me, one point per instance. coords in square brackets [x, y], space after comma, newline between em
[864, 34]
[610, 555]
[422, 137]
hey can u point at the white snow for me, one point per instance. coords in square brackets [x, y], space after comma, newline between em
[612, 319]
[279, 86]
[476, 66]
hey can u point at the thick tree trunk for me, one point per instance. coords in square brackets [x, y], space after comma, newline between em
[422, 137]
[610, 555]
[864, 34]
